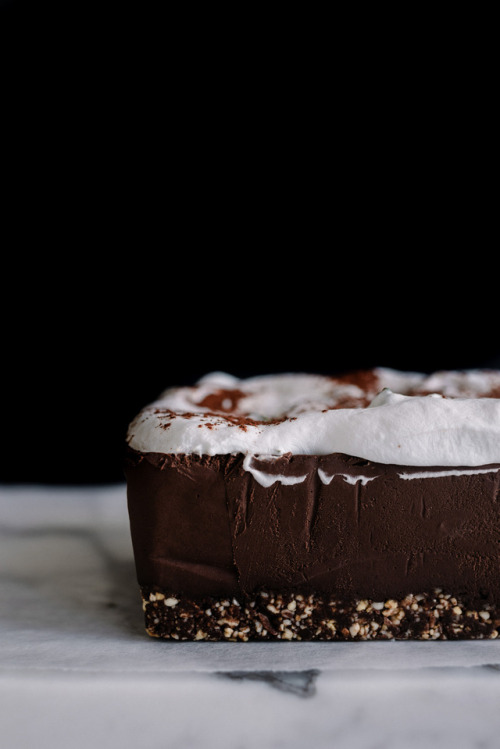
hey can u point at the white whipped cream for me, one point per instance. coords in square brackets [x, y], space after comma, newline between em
[462, 429]
[267, 479]
[350, 478]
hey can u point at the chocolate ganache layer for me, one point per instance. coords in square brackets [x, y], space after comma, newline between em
[371, 486]
[203, 525]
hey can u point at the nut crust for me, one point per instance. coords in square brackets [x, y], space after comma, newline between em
[437, 615]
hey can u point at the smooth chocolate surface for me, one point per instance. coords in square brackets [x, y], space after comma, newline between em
[204, 526]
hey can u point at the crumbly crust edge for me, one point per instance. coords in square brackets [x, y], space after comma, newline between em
[272, 616]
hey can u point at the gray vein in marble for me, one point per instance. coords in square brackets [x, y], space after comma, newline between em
[300, 683]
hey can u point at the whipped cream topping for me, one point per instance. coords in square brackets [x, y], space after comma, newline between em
[386, 416]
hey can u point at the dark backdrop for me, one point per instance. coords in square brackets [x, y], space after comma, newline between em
[167, 212]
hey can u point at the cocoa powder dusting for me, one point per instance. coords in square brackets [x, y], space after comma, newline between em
[226, 399]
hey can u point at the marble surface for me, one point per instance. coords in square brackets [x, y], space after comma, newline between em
[77, 669]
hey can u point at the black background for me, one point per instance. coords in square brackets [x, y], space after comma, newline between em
[169, 211]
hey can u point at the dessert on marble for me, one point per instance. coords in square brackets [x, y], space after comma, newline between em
[308, 507]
